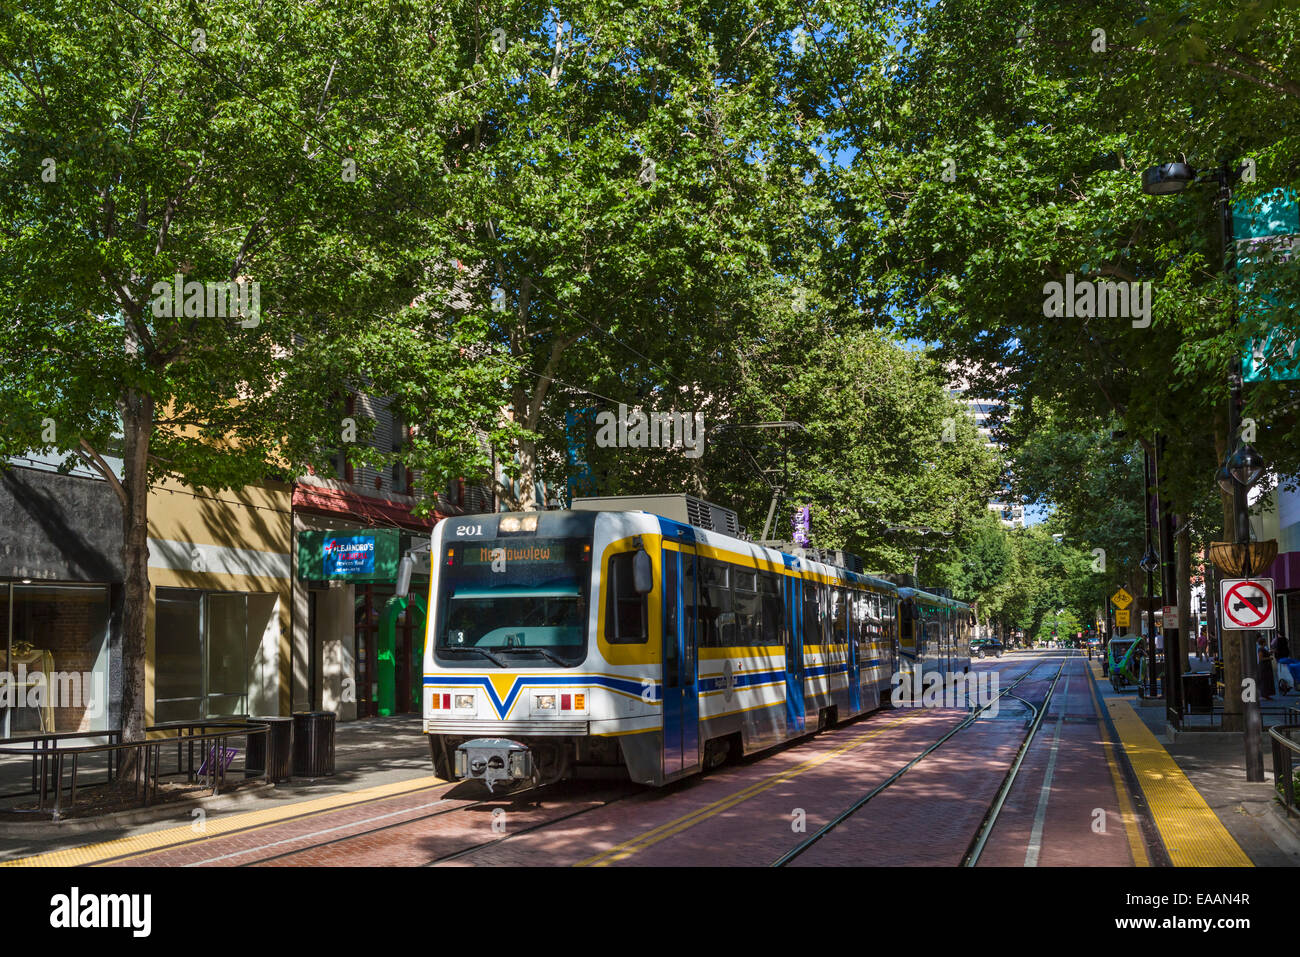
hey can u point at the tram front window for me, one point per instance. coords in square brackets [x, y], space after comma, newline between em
[522, 601]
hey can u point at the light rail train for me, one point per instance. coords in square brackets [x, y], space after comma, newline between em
[582, 643]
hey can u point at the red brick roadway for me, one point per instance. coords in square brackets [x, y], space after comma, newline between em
[1064, 808]
[753, 812]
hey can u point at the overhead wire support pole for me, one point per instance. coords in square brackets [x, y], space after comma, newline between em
[777, 489]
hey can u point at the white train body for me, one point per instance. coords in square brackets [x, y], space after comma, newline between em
[587, 642]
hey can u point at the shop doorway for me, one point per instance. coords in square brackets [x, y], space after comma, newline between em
[409, 641]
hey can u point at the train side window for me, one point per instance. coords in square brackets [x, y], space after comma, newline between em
[773, 611]
[748, 608]
[625, 611]
[839, 616]
[717, 615]
[812, 615]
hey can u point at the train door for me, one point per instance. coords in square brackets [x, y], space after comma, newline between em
[681, 704]
[794, 671]
[849, 598]
[907, 643]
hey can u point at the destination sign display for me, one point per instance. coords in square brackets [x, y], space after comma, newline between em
[516, 552]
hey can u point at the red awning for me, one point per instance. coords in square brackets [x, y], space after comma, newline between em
[362, 508]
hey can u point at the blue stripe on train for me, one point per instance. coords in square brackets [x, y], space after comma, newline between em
[631, 686]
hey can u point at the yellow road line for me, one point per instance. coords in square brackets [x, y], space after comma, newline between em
[138, 844]
[1126, 812]
[1191, 831]
[664, 831]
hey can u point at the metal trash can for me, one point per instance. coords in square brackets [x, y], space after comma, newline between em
[313, 744]
[1198, 692]
[271, 752]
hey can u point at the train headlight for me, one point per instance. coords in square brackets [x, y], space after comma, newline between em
[544, 702]
[518, 523]
[464, 701]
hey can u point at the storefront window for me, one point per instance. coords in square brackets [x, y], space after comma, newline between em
[208, 654]
[53, 658]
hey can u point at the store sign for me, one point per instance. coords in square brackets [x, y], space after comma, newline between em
[355, 555]
[349, 556]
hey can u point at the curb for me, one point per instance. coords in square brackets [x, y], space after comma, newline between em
[117, 819]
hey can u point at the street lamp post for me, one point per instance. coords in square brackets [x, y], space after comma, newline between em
[1149, 563]
[1244, 465]
[1169, 597]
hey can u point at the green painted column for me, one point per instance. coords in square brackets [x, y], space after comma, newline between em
[387, 654]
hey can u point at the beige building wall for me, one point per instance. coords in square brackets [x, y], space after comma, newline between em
[232, 541]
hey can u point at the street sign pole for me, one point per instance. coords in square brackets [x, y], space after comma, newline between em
[1241, 524]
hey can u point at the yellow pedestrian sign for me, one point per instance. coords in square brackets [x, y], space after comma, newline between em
[1122, 599]
[1121, 618]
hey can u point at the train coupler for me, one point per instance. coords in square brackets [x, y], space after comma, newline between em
[492, 760]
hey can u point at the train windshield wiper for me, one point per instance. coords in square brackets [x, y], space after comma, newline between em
[482, 651]
[541, 651]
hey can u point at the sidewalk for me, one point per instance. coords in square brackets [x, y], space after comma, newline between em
[1215, 765]
[368, 753]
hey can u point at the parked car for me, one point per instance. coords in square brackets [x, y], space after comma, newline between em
[984, 647]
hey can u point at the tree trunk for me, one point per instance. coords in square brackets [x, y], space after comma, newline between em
[527, 500]
[137, 426]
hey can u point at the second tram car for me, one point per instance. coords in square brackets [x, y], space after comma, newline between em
[567, 643]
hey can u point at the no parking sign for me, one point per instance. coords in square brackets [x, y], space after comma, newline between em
[1247, 603]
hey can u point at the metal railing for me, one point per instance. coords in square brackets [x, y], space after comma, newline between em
[1285, 748]
[50, 761]
[40, 747]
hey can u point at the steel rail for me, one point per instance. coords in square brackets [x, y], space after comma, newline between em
[976, 846]
[844, 815]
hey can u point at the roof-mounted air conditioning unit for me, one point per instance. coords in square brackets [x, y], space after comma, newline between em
[680, 508]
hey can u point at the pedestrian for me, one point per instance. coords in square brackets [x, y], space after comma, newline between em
[1282, 653]
[1267, 682]
[1202, 644]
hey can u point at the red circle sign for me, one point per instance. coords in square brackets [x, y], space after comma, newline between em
[1246, 620]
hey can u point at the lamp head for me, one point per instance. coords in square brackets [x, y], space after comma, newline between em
[1246, 465]
[1169, 178]
[1224, 478]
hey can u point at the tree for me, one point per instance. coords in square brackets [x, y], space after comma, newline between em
[156, 154]
[629, 182]
[885, 449]
[980, 569]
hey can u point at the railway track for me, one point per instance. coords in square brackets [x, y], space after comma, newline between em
[977, 843]
[474, 823]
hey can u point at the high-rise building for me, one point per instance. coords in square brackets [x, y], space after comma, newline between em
[984, 411]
